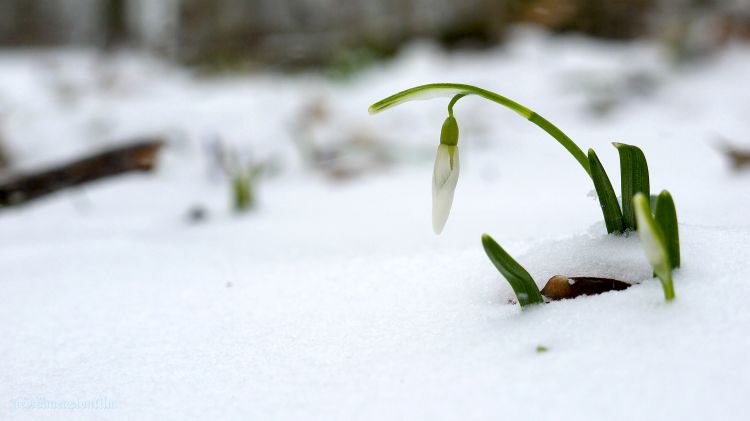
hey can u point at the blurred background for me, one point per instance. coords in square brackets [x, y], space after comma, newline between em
[297, 33]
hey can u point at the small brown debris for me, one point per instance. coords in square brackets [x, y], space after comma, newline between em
[560, 287]
[738, 157]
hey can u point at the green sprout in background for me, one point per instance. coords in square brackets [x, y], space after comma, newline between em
[243, 187]
[619, 218]
[242, 172]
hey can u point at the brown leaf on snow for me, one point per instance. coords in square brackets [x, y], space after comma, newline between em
[561, 287]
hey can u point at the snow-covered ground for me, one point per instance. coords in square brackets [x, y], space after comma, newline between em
[334, 300]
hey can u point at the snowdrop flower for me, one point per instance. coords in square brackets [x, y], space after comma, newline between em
[650, 235]
[652, 238]
[445, 174]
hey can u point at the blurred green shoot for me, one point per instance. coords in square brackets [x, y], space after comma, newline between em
[242, 172]
[243, 187]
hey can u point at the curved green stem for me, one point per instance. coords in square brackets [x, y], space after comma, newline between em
[453, 102]
[459, 90]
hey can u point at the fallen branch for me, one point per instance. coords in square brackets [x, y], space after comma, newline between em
[140, 156]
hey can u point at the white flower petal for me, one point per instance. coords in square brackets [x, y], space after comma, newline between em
[653, 243]
[444, 180]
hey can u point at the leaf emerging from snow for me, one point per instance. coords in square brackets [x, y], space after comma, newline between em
[633, 179]
[607, 198]
[519, 279]
[666, 216]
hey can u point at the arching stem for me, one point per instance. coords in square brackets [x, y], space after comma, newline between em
[458, 91]
[453, 102]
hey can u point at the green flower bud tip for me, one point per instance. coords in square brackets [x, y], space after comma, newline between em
[449, 132]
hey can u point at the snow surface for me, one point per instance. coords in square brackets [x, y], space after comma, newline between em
[334, 300]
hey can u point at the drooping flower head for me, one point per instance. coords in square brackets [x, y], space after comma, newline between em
[445, 174]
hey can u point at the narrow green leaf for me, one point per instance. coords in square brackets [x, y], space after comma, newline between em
[607, 198]
[654, 244]
[633, 179]
[666, 216]
[523, 285]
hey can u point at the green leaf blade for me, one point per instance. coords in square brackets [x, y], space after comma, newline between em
[654, 244]
[519, 279]
[665, 215]
[606, 193]
[633, 180]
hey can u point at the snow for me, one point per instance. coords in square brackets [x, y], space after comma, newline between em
[334, 300]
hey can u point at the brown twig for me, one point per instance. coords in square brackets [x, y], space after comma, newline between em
[140, 156]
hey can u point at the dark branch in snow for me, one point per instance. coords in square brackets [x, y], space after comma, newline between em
[140, 156]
